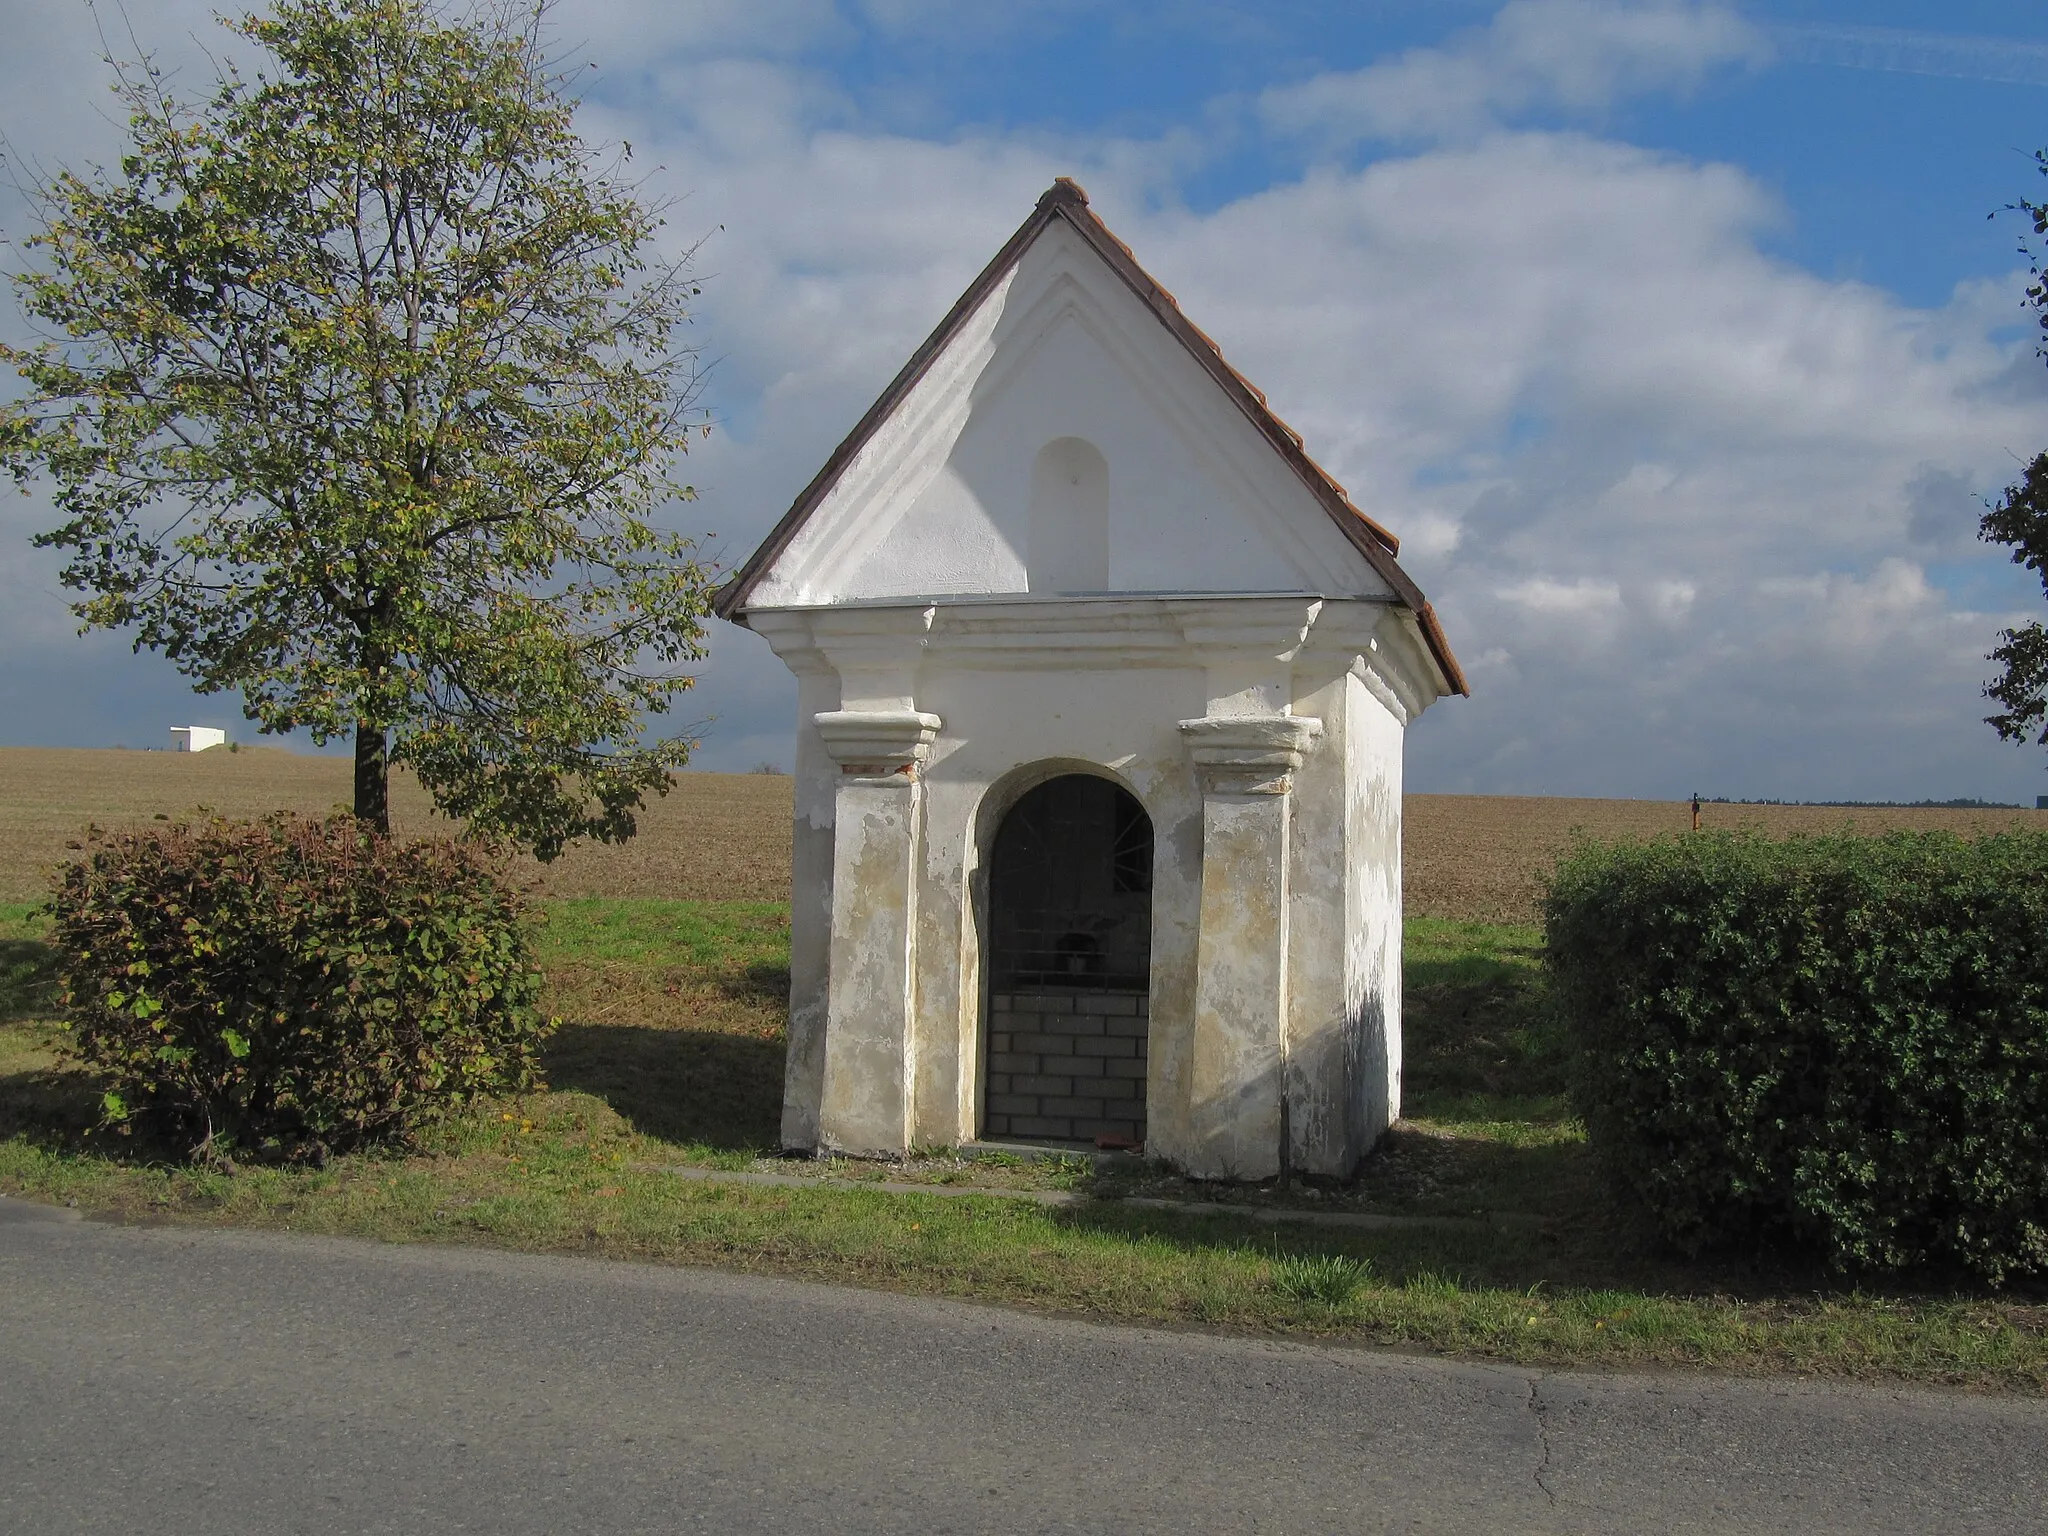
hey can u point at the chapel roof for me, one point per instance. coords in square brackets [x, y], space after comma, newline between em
[1066, 201]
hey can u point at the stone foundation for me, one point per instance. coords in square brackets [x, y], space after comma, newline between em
[1066, 1065]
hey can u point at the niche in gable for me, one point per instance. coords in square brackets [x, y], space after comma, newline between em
[1068, 548]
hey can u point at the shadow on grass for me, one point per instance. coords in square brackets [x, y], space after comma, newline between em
[1585, 1242]
[1479, 1043]
[1488, 1128]
[52, 1107]
[763, 983]
[28, 980]
[697, 1086]
[42, 1099]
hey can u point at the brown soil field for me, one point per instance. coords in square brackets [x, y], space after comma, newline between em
[1482, 857]
[713, 836]
[726, 836]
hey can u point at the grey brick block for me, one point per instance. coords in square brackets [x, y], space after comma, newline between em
[1046, 1045]
[1110, 1045]
[999, 1082]
[1125, 1066]
[1072, 1024]
[1042, 1084]
[1011, 1061]
[1135, 1027]
[1013, 1104]
[999, 1040]
[1107, 1002]
[1051, 1106]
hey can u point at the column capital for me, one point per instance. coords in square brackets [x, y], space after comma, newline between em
[878, 744]
[1249, 754]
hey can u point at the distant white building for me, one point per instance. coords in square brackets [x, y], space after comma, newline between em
[1103, 684]
[196, 738]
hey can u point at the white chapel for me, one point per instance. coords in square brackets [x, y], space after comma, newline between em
[1102, 687]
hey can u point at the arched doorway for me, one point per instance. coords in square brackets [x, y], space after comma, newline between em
[1069, 964]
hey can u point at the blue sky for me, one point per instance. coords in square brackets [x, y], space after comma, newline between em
[1674, 338]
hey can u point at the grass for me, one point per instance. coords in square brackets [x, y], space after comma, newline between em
[1486, 1126]
[672, 1056]
[1333, 1279]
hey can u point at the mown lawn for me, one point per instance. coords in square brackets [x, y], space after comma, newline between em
[672, 1056]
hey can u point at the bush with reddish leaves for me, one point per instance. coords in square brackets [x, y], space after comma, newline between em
[291, 988]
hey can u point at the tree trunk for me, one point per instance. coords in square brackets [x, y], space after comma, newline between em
[373, 778]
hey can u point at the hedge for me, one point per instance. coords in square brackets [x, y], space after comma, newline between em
[1835, 1043]
[293, 987]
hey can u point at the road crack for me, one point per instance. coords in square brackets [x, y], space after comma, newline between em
[1541, 1412]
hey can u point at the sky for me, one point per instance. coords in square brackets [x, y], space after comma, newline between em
[1679, 342]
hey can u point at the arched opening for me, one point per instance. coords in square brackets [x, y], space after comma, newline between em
[1069, 966]
[1069, 549]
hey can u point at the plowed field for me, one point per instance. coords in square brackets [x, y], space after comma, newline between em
[714, 835]
[1482, 856]
[727, 835]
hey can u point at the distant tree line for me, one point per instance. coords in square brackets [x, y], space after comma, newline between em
[1966, 803]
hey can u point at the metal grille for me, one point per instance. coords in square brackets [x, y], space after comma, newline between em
[1070, 889]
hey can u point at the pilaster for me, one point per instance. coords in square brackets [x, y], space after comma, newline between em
[1237, 1098]
[870, 1029]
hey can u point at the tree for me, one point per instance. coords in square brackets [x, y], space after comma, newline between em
[2020, 519]
[359, 390]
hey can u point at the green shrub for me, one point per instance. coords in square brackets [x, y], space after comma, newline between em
[1837, 1043]
[290, 988]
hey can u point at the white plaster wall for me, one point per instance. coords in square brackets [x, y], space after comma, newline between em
[1122, 722]
[810, 895]
[1069, 530]
[1322, 1043]
[1074, 380]
[938, 500]
[1372, 906]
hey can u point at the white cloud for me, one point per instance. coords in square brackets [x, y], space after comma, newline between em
[1575, 56]
[1582, 599]
[1684, 507]
[1650, 437]
[1672, 601]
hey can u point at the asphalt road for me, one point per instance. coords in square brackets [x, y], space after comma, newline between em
[169, 1380]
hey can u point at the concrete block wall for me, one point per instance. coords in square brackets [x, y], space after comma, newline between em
[1066, 1065]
